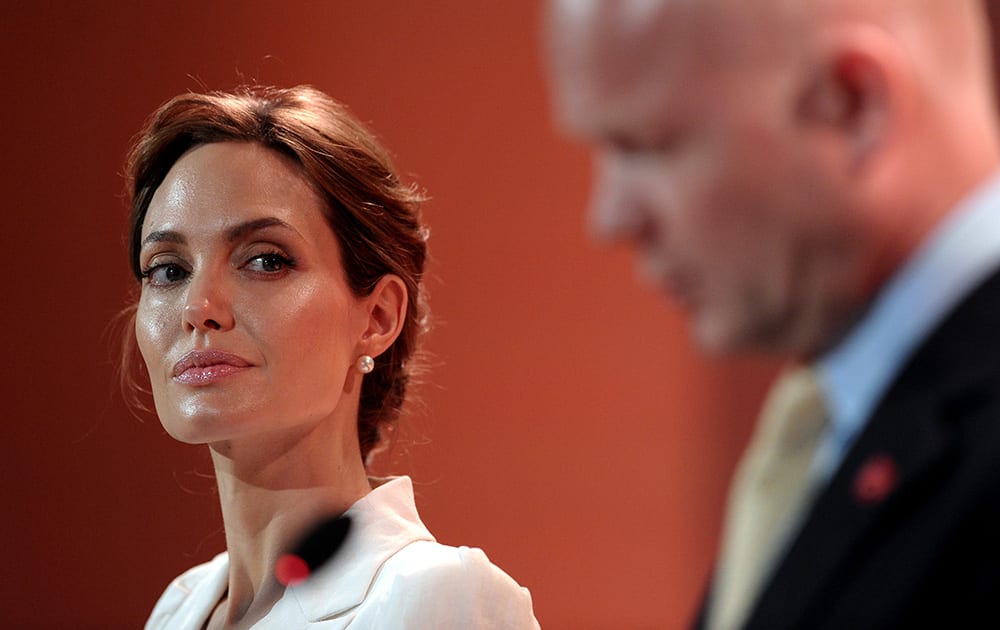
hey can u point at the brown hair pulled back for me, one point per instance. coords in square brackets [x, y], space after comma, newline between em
[374, 217]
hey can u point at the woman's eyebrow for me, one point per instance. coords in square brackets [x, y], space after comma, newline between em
[241, 230]
[164, 236]
[233, 234]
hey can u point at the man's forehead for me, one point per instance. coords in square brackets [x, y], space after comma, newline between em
[626, 32]
[600, 28]
[620, 11]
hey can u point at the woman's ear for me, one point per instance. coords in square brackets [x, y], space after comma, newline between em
[386, 309]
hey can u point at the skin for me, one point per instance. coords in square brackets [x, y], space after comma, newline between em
[772, 164]
[240, 259]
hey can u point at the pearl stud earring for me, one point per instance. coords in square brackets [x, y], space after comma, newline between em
[365, 364]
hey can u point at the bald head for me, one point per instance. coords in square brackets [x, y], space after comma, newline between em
[773, 162]
[618, 42]
[629, 47]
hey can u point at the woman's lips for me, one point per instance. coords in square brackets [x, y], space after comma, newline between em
[204, 367]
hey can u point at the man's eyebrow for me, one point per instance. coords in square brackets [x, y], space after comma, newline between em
[233, 234]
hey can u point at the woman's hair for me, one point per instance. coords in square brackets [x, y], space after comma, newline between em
[374, 217]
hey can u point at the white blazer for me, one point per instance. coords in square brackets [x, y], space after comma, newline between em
[391, 574]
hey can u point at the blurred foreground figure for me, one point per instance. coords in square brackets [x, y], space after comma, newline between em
[820, 180]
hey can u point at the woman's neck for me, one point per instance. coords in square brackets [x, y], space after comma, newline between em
[272, 495]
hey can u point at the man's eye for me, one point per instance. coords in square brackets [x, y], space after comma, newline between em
[663, 143]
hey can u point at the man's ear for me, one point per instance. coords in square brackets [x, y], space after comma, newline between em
[386, 309]
[856, 91]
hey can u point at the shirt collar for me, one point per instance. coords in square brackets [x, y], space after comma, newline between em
[952, 261]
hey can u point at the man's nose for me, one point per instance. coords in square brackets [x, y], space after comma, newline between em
[615, 212]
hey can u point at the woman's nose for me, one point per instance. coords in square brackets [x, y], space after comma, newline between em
[208, 306]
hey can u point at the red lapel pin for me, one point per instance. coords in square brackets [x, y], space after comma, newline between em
[875, 479]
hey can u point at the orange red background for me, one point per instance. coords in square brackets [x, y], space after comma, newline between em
[567, 425]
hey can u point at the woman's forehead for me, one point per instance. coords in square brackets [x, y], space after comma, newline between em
[223, 184]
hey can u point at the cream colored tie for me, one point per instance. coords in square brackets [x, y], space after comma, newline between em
[768, 494]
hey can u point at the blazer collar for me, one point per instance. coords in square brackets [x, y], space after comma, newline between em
[382, 523]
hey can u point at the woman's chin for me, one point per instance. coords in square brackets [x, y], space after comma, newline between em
[202, 428]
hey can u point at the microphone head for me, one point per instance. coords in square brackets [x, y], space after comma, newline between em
[315, 549]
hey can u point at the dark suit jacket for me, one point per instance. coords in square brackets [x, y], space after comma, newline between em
[907, 533]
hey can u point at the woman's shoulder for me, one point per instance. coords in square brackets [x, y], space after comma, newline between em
[431, 585]
[430, 559]
[190, 594]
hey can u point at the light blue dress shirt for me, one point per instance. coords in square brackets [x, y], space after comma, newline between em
[957, 256]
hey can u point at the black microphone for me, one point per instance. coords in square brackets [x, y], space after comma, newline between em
[313, 551]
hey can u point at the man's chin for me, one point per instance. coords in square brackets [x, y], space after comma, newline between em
[712, 339]
[721, 337]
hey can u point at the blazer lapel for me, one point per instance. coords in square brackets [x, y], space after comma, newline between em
[877, 480]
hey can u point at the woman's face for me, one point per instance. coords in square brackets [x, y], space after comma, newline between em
[246, 322]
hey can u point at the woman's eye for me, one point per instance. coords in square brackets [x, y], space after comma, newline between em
[269, 263]
[165, 274]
